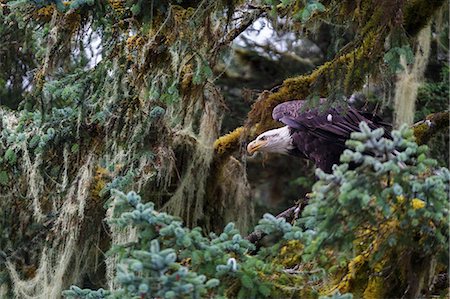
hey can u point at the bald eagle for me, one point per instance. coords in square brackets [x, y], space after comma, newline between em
[316, 135]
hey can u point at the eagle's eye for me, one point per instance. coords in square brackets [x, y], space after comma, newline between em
[262, 138]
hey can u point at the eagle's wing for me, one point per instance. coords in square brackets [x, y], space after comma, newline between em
[333, 125]
[292, 108]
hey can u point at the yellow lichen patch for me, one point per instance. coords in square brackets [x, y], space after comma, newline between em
[400, 199]
[348, 282]
[385, 229]
[72, 21]
[289, 254]
[228, 141]
[361, 278]
[417, 204]
[99, 182]
[187, 75]
[375, 288]
[44, 13]
[180, 17]
[435, 122]
[292, 88]
[118, 6]
[355, 265]
[420, 132]
[135, 42]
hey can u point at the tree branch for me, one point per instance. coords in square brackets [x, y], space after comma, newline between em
[247, 21]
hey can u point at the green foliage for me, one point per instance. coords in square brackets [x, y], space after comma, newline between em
[303, 10]
[4, 178]
[60, 5]
[10, 156]
[202, 72]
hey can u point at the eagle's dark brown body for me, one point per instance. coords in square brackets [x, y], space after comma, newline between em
[321, 135]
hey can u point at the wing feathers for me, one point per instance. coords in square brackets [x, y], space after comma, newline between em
[333, 125]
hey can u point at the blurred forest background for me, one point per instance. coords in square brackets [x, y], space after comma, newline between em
[112, 114]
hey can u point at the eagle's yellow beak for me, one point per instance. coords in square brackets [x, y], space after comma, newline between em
[255, 145]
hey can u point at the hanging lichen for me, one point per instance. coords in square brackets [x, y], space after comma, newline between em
[410, 78]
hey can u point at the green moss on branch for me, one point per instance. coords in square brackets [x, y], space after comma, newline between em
[425, 129]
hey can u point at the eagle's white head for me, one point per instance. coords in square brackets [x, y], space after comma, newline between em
[272, 141]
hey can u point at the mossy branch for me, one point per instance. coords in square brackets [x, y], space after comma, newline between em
[228, 142]
[433, 123]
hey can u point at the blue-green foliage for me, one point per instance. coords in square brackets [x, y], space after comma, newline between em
[35, 135]
[273, 226]
[311, 7]
[396, 190]
[118, 182]
[157, 112]
[337, 295]
[170, 261]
